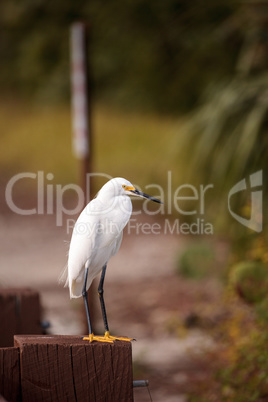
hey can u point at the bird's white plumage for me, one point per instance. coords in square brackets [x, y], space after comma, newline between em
[97, 233]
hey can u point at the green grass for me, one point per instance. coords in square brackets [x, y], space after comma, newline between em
[35, 138]
[134, 146]
[131, 145]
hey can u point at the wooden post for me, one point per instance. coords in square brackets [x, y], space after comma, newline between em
[10, 374]
[61, 368]
[81, 105]
[81, 113]
[20, 313]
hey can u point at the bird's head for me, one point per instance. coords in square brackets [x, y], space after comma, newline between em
[129, 189]
[119, 186]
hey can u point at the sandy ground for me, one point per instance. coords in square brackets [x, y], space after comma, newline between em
[144, 297]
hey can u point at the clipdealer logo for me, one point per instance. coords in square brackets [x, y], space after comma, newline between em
[185, 200]
[255, 222]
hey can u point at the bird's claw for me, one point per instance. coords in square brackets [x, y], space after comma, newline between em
[106, 338]
[96, 338]
[117, 338]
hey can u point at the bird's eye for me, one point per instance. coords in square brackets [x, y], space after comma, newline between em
[124, 186]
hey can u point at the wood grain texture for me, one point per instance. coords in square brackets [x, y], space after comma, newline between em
[66, 368]
[10, 374]
[20, 313]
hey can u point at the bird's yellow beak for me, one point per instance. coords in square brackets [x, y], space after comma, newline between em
[128, 188]
[134, 191]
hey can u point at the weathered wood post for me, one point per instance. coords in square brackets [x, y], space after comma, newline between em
[81, 107]
[81, 114]
[61, 368]
[10, 374]
[20, 313]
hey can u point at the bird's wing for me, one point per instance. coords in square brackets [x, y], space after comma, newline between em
[92, 244]
[111, 225]
[118, 243]
[97, 236]
[82, 243]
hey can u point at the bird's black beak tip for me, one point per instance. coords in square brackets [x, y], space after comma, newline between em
[158, 201]
[141, 194]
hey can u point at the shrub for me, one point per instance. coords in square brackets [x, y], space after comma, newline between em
[250, 280]
[196, 261]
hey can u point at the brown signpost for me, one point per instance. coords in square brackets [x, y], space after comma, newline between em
[81, 113]
[80, 83]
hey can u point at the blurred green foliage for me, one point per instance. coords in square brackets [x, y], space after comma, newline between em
[229, 130]
[152, 54]
[246, 378]
[250, 280]
[226, 135]
[196, 261]
[262, 311]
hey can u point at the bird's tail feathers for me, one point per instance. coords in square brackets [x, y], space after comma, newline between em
[76, 289]
[76, 285]
[63, 278]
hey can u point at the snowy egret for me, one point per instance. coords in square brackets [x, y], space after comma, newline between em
[96, 237]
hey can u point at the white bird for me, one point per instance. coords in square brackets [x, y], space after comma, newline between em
[96, 237]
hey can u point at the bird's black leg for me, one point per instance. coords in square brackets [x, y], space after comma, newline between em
[100, 292]
[91, 336]
[107, 335]
[84, 294]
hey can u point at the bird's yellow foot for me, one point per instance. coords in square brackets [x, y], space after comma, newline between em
[111, 338]
[106, 338]
[92, 338]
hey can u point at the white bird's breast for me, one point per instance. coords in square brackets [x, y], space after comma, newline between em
[97, 235]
